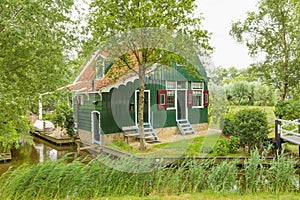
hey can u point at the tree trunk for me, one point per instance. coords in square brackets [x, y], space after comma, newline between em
[284, 91]
[141, 109]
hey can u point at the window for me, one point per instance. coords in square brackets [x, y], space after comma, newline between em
[197, 91]
[171, 98]
[161, 99]
[181, 85]
[170, 85]
[100, 68]
[197, 85]
[197, 98]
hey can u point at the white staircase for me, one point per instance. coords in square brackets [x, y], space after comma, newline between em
[185, 127]
[148, 132]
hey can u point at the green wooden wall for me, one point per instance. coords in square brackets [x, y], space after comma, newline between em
[117, 106]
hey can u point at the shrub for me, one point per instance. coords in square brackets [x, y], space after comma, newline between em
[251, 127]
[63, 116]
[288, 110]
[225, 145]
[228, 125]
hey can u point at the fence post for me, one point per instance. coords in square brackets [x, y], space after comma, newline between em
[299, 126]
[277, 135]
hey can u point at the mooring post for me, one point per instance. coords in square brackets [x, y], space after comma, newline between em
[277, 135]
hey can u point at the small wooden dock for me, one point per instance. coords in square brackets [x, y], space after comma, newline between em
[55, 140]
[4, 157]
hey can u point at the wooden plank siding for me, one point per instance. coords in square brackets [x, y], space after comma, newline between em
[84, 111]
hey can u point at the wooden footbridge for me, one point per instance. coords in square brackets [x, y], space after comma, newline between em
[287, 131]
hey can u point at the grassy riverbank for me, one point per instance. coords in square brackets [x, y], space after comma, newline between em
[136, 179]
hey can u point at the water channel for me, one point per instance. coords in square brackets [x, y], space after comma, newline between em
[40, 151]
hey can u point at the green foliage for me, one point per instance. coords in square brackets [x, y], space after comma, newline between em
[122, 177]
[270, 33]
[228, 125]
[226, 145]
[264, 94]
[223, 177]
[122, 145]
[217, 101]
[289, 110]
[63, 116]
[251, 127]
[34, 37]
[240, 90]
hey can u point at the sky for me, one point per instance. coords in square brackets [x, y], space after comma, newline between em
[219, 14]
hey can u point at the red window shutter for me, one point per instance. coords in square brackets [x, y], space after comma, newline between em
[162, 99]
[189, 98]
[206, 98]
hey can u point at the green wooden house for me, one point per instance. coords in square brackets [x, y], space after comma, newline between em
[175, 102]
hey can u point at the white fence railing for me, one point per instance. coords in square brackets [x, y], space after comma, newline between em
[287, 130]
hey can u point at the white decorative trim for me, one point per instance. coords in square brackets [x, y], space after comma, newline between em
[118, 84]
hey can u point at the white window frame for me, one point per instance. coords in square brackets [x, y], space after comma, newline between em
[175, 98]
[201, 92]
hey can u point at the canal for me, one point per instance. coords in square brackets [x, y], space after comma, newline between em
[39, 151]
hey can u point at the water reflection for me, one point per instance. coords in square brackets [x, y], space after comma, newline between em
[40, 151]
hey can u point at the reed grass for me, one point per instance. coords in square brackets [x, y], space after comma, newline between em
[106, 177]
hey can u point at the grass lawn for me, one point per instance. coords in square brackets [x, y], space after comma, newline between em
[197, 146]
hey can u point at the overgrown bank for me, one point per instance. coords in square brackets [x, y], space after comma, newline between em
[104, 177]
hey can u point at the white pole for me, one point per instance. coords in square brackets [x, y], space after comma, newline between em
[40, 108]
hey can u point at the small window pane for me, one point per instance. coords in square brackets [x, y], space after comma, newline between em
[197, 98]
[162, 99]
[171, 98]
[171, 84]
[181, 85]
[197, 85]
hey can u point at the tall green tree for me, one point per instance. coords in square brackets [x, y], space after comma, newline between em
[34, 39]
[128, 22]
[273, 35]
[238, 91]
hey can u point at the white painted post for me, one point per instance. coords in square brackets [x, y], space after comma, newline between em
[40, 108]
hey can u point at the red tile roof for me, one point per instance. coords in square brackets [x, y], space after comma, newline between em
[86, 78]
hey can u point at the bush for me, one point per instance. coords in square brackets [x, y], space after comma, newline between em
[226, 145]
[289, 110]
[228, 125]
[63, 116]
[251, 127]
